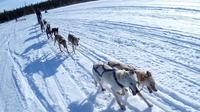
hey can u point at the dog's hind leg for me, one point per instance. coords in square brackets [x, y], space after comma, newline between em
[101, 86]
[97, 80]
[73, 48]
[102, 89]
[149, 105]
[118, 100]
[66, 48]
[54, 41]
[60, 47]
[47, 35]
[51, 37]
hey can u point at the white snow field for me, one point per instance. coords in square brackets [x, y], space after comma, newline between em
[162, 37]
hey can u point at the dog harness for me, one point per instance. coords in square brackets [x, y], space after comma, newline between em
[108, 70]
[115, 77]
[104, 70]
[113, 65]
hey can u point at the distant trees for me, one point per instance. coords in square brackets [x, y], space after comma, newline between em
[19, 12]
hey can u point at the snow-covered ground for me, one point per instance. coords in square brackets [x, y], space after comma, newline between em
[162, 37]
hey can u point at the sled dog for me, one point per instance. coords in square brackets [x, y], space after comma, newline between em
[143, 77]
[48, 31]
[54, 31]
[73, 40]
[61, 41]
[118, 80]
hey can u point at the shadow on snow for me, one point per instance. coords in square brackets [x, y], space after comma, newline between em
[47, 67]
[35, 46]
[84, 106]
[33, 37]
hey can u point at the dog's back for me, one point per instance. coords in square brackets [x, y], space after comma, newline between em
[99, 69]
[59, 38]
[120, 66]
[105, 73]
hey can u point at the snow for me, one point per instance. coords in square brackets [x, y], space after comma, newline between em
[159, 36]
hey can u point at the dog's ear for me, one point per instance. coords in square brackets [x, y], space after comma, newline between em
[148, 74]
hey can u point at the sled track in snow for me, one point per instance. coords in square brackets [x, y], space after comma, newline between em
[165, 97]
[171, 53]
[170, 103]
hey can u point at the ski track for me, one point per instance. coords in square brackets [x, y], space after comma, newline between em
[32, 85]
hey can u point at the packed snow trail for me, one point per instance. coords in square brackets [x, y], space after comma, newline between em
[161, 37]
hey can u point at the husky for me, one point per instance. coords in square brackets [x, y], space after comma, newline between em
[61, 41]
[48, 31]
[144, 77]
[118, 80]
[73, 40]
[54, 31]
[45, 22]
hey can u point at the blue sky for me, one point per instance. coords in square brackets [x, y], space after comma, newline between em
[12, 4]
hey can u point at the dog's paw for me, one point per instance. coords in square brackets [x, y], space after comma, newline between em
[123, 107]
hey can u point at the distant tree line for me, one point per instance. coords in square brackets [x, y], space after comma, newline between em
[19, 12]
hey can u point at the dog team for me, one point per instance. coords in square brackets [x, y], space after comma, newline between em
[53, 32]
[121, 78]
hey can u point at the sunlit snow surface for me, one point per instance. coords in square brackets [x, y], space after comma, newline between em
[162, 37]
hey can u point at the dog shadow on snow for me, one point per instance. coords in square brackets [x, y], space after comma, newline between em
[44, 65]
[35, 31]
[33, 37]
[34, 27]
[85, 105]
[110, 108]
[34, 46]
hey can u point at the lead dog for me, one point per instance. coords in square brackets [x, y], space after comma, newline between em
[118, 81]
[73, 40]
[61, 41]
[144, 77]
